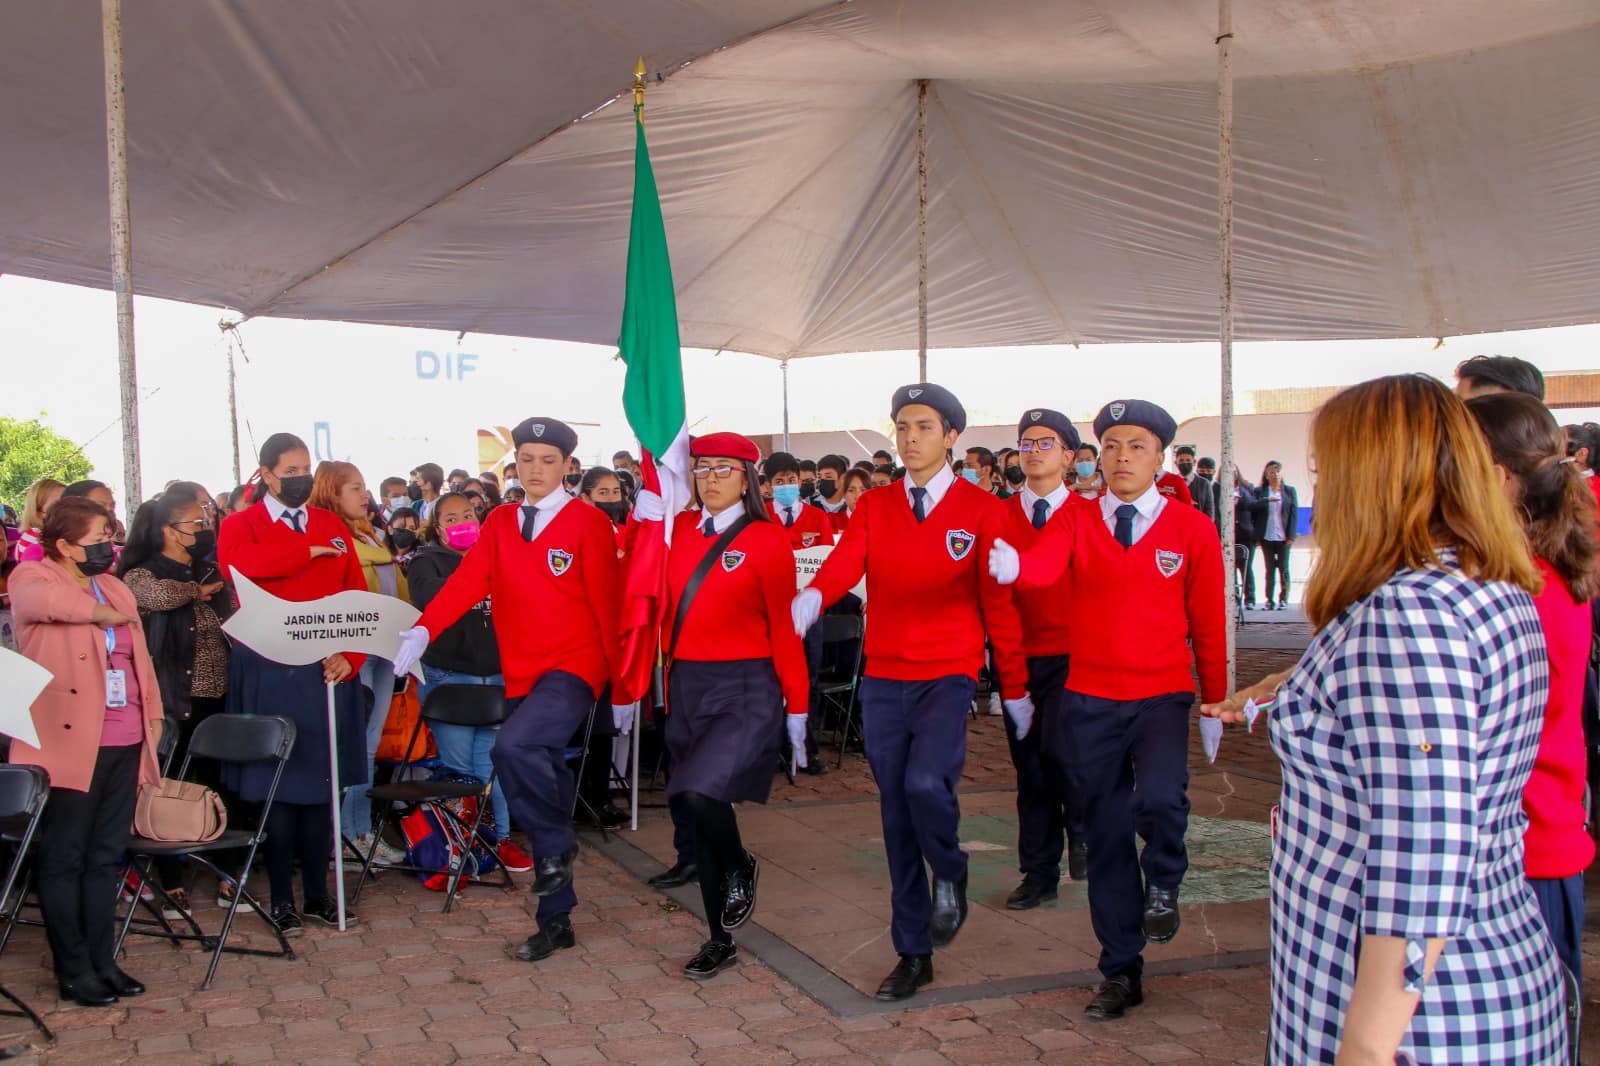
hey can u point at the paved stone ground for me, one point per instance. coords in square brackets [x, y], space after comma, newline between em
[414, 986]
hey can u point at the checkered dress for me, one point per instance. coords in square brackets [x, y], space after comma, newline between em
[1406, 735]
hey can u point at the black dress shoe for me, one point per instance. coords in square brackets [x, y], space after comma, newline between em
[611, 816]
[554, 873]
[90, 990]
[1029, 895]
[547, 941]
[1160, 914]
[1114, 997]
[713, 957]
[949, 910]
[287, 919]
[675, 876]
[814, 766]
[910, 974]
[120, 983]
[1078, 860]
[739, 894]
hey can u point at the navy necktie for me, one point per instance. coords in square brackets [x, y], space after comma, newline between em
[788, 516]
[527, 523]
[1124, 533]
[919, 501]
[710, 527]
[295, 520]
[1041, 513]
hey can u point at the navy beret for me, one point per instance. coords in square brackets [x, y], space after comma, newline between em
[549, 431]
[1043, 416]
[937, 397]
[1140, 413]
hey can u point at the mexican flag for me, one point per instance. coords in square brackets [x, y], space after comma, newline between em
[653, 399]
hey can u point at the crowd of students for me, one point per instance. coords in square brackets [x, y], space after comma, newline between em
[1426, 891]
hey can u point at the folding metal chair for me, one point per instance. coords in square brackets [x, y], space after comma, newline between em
[23, 792]
[464, 705]
[579, 753]
[838, 690]
[228, 739]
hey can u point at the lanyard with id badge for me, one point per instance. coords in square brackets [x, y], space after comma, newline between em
[116, 680]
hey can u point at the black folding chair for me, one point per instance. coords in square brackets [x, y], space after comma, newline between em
[463, 705]
[228, 739]
[838, 688]
[579, 753]
[23, 792]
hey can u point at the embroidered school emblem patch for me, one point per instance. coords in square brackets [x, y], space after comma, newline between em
[1168, 563]
[958, 542]
[1035, 415]
[338, 542]
[559, 561]
[1117, 411]
[538, 429]
[914, 393]
[731, 561]
[808, 539]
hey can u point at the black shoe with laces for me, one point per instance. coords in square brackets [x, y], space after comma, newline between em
[713, 957]
[910, 974]
[739, 894]
[1113, 998]
[1029, 895]
[1078, 860]
[1160, 914]
[90, 990]
[547, 941]
[553, 873]
[326, 911]
[675, 876]
[287, 919]
[949, 910]
[120, 983]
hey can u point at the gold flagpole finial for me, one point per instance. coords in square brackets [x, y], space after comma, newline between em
[638, 83]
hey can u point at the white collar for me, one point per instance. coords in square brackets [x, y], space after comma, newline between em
[723, 519]
[937, 486]
[551, 503]
[832, 508]
[1148, 504]
[1057, 497]
[276, 509]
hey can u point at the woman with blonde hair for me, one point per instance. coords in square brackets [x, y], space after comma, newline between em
[1401, 917]
[35, 505]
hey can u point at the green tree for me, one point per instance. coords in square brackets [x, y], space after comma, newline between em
[30, 450]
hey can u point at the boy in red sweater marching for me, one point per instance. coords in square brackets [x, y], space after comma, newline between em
[551, 568]
[1149, 571]
[921, 545]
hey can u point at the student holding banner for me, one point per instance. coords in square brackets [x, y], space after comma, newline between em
[551, 568]
[298, 553]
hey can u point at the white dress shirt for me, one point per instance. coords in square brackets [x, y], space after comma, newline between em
[937, 486]
[543, 511]
[279, 512]
[1057, 497]
[1149, 506]
[1274, 516]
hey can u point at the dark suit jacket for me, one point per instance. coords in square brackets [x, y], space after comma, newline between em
[1291, 512]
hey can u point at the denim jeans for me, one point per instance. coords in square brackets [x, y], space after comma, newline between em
[464, 748]
[355, 813]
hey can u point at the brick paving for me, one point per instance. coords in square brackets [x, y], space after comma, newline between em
[415, 986]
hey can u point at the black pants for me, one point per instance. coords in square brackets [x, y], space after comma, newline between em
[301, 831]
[1275, 561]
[718, 850]
[1046, 814]
[82, 838]
[813, 648]
[1243, 558]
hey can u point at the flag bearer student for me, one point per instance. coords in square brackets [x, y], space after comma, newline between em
[1147, 579]
[808, 526]
[1046, 812]
[921, 545]
[298, 553]
[735, 665]
[551, 568]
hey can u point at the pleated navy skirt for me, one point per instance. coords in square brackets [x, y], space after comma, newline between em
[259, 686]
[724, 728]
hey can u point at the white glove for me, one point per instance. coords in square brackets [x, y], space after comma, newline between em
[797, 737]
[649, 507]
[1021, 712]
[1004, 565]
[622, 717]
[804, 609]
[413, 642]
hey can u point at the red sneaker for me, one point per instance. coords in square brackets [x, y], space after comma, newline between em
[512, 857]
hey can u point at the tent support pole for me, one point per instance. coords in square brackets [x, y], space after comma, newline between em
[783, 368]
[922, 229]
[121, 248]
[1225, 324]
[233, 401]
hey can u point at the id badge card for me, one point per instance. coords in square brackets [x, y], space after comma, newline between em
[116, 688]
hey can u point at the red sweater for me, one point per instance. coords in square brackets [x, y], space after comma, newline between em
[1046, 613]
[1557, 845]
[742, 608]
[1173, 487]
[279, 559]
[929, 593]
[1146, 604]
[556, 600]
[812, 527]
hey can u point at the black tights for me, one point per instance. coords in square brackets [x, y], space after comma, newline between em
[718, 851]
[301, 831]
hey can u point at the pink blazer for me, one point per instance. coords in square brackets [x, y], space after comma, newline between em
[52, 616]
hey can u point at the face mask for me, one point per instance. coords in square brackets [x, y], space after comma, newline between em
[294, 491]
[572, 481]
[970, 475]
[786, 495]
[204, 541]
[462, 537]
[1185, 469]
[1015, 475]
[457, 486]
[97, 558]
[615, 510]
[1085, 470]
[512, 484]
[827, 487]
[404, 539]
[397, 503]
[413, 492]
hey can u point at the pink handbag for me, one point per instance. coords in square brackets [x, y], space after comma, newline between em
[179, 811]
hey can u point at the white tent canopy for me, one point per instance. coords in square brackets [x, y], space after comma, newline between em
[1403, 169]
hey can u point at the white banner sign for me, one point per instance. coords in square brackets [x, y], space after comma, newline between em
[298, 634]
[21, 681]
[808, 561]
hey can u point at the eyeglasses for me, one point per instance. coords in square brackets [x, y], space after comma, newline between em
[200, 522]
[723, 471]
[1042, 444]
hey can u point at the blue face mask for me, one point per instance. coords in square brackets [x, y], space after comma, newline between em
[786, 495]
[1085, 470]
[970, 475]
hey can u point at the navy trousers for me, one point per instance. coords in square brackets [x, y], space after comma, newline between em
[1045, 812]
[530, 760]
[1122, 756]
[813, 647]
[916, 742]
